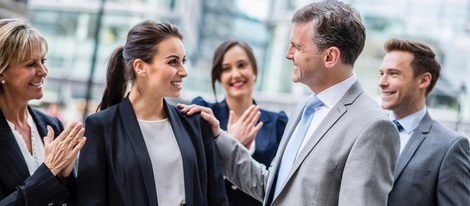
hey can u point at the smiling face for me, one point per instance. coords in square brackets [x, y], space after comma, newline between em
[308, 61]
[24, 80]
[164, 75]
[401, 91]
[237, 76]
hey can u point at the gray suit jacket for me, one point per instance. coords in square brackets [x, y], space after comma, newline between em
[349, 160]
[433, 168]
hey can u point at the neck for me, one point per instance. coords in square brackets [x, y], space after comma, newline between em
[409, 110]
[239, 105]
[332, 78]
[15, 111]
[146, 107]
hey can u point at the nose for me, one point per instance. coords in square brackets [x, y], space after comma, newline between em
[383, 81]
[235, 73]
[42, 70]
[182, 72]
[290, 53]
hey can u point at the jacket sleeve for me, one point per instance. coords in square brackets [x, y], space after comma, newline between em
[453, 184]
[368, 172]
[41, 188]
[92, 166]
[215, 187]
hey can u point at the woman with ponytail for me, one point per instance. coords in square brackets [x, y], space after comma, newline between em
[142, 150]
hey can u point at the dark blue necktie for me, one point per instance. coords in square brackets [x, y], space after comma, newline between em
[295, 141]
[399, 127]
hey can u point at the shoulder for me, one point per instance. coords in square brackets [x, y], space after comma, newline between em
[48, 119]
[444, 135]
[201, 101]
[102, 117]
[175, 112]
[274, 116]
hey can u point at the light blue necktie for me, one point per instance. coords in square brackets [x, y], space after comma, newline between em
[295, 141]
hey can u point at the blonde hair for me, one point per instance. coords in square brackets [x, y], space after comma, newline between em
[18, 41]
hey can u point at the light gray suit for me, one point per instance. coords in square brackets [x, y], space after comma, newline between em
[349, 160]
[433, 168]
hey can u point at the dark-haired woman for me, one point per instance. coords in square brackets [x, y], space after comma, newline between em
[234, 66]
[142, 150]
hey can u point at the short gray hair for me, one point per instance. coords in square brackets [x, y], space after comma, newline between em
[334, 24]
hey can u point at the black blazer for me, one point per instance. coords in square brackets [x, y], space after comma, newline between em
[17, 187]
[266, 143]
[115, 168]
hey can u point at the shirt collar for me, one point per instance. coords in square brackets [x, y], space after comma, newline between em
[333, 94]
[410, 122]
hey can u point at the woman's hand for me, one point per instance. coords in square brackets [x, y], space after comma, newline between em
[61, 153]
[206, 114]
[244, 128]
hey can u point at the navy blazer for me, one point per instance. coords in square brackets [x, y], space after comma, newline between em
[17, 187]
[266, 143]
[115, 168]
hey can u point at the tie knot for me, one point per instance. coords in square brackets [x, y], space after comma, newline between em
[398, 125]
[313, 102]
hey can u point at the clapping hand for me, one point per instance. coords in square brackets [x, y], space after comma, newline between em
[61, 153]
[244, 128]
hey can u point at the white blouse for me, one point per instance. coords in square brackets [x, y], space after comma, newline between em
[34, 160]
[167, 162]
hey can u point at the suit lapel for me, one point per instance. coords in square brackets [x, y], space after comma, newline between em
[186, 149]
[329, 121]
[413, 144]
[131, 126]
[293, 120]
[40, 123]
[10, 149]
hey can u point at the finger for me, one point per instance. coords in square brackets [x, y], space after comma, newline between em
[66, 132]
[50, 136]
[251, 115]
[196, 108]
[254, 118]
[256, 129]
[246, 113]
[184, 107]
[181, 105]
[70, 137]
[79, 146]
[231, 117]
[209, 117]
[76, 138]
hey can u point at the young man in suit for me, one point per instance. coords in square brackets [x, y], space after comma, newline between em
[434, 163]
[339, 148]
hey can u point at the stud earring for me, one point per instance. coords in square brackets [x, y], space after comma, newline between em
[3, 81]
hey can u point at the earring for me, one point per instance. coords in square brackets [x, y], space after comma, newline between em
[3, 81]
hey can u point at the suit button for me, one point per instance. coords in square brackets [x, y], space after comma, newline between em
[234, 187]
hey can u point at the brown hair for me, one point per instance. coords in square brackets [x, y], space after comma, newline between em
[424, 58]
[218, 59]
[141, 44]
[335, 24]
[18, 41]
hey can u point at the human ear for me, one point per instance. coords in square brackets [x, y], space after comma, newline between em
[332, 56]
[139, 67]
[425, 80]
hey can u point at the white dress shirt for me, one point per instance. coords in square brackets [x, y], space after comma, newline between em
[36, 158]
[330, 97]
[409, 124]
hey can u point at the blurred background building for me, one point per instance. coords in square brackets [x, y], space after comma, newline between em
[71, 26]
